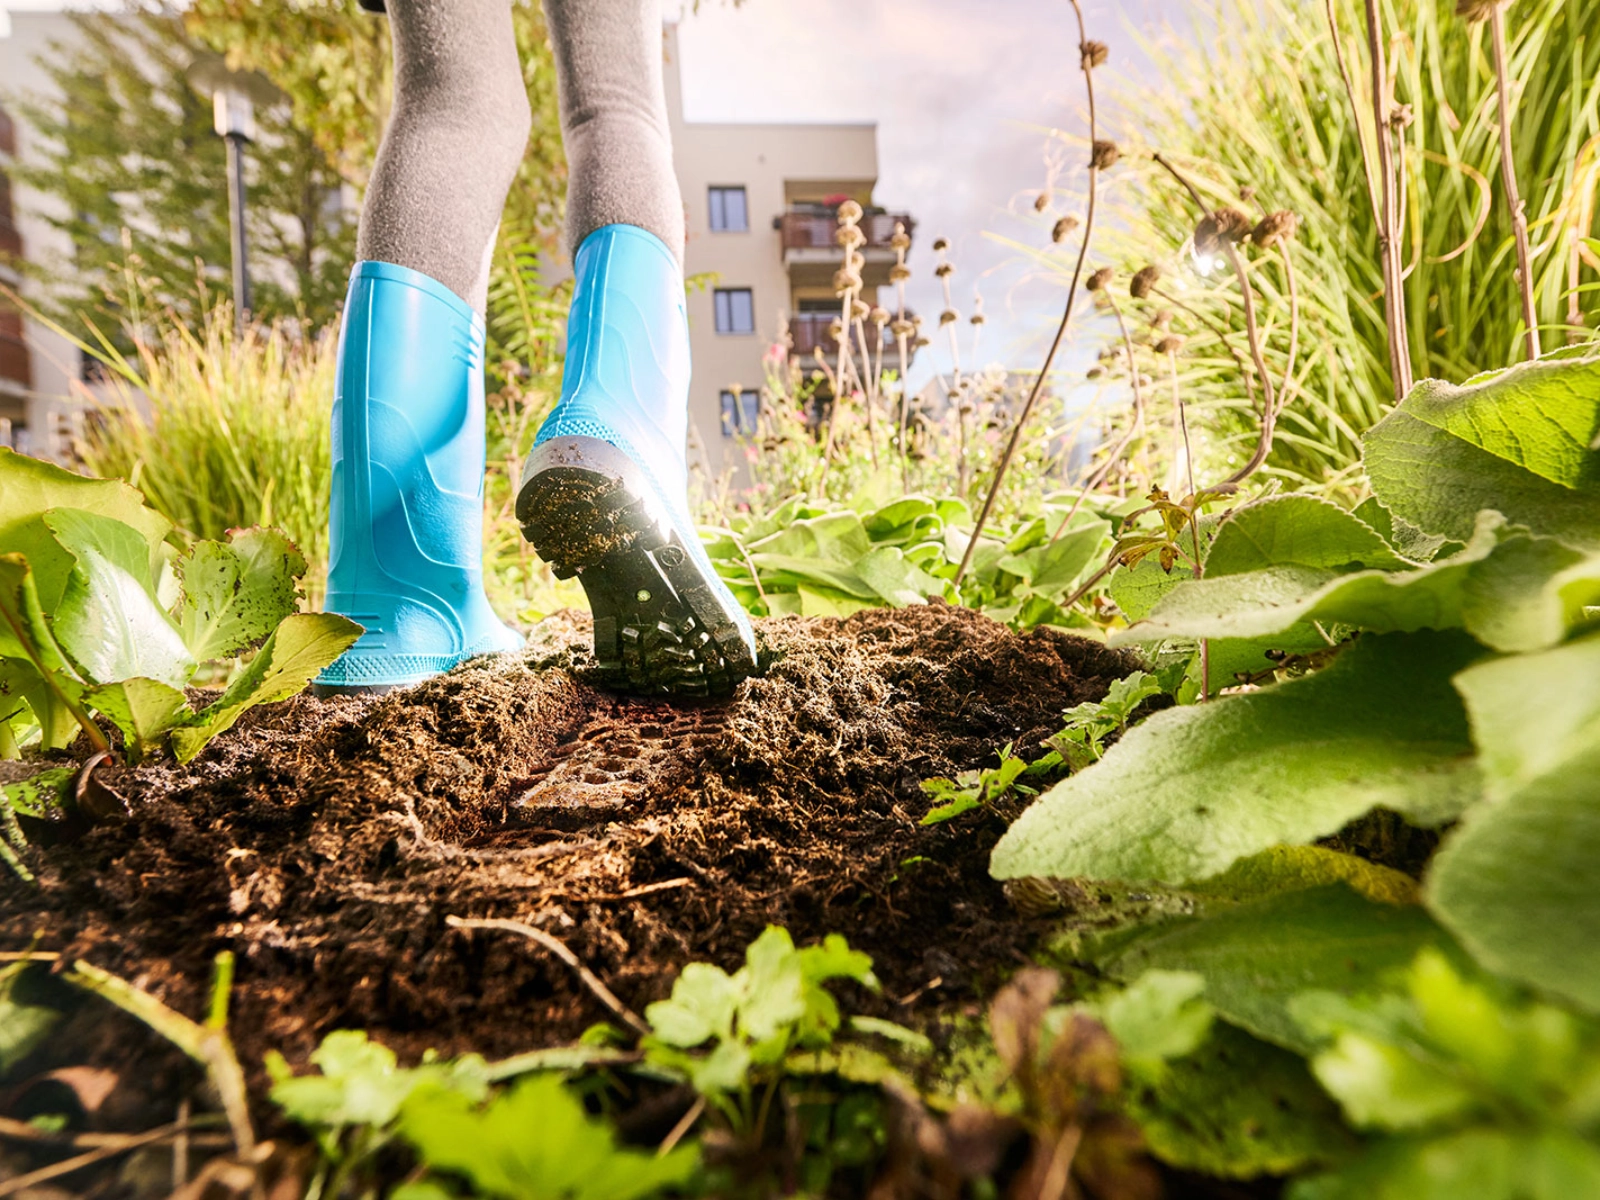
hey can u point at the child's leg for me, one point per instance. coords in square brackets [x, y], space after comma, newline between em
[604, 493]
[453, 145]
[406, 511]
[614, 119]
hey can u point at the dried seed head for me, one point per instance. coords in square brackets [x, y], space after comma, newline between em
[1093, 373]
[846, 281]
[901, 239]
[1143, 281]
[879, 316]
[899, 273]
[1401, 116]
[1041, 201]
[849, 212]
[977, 317]
[860, 310]
[944, 269]
[1063, 227]
[948, 317]
[1104, 155]
[940, 245]
[1246, 194]
[849, 236]
[836, 329]
[1219, 229]
[1099, 280]
[920, 343]
[854, 261]
[1476, 10]
[1094, 54]
[1274, 228]
[1170, 344]
[1162, 318]
[902, 328]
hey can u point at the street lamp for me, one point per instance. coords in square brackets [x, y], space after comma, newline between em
[234, 97]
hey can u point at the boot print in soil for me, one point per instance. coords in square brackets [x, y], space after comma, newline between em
[406, 514]
[604, 493]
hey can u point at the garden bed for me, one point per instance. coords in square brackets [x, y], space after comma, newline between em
[326, 842]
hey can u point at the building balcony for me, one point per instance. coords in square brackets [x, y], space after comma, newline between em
[811, 253]
[810, 332]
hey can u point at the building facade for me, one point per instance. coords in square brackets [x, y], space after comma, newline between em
[760, 203]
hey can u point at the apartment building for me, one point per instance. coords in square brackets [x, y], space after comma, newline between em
[760, 201]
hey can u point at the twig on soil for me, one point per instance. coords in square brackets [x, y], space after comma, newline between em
[113, 1145]
[683, 1126]
[13, 1130]
[559, 948]
[44, 956]
[666, 885]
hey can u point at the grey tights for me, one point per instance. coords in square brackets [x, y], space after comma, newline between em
[461, 122]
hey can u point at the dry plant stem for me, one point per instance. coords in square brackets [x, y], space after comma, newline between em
[1508, 175]
[1355, 106]
[559, 948]
[1289, 384]
[905, 405]
[1222, 333]
[109, 1149]
[870, 386]
[1394, 302]
[1010, 451]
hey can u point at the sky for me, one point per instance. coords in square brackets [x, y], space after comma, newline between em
[964, 93]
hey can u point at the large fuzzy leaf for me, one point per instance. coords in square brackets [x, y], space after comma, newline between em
[1194, 788]
[1258, 956]
[1299, 531]
[1438, 483]
[1542, 416]
[235, 594]
[1530, 594]
[111, 625]
[29, 488]
[1516, 883]
[291, 658]
[143, 709]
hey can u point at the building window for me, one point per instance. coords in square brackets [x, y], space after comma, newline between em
[729, 214]
[736, 310]
[740, 411]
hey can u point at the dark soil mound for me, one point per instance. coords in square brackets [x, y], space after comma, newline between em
[326, 842]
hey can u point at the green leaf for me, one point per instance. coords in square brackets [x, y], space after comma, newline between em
[1530, 593]
[111, 624]
[1439, 483]
[1052, 569]
[825, 602]
[234, 595]
[145, 710]
[23, 1025]
[899, 582]
[1542, 416]
[838, 537]
[1297, 531]
[1480, 1163]
[47, 681]
[1271, 600]
[704, 999]
[1159, 1016]
[1296, 868]
[1256, 957]
[1137, 589]
[773, 989]
[785, 571]
[1380, 1085]
[20, 681]
[1189, 791]
[39, 795]
[116, 541]
[299, 648]
[30, 487]
[536, 1142]
[1238, 1108]
[361, 1084]
[1516, 881]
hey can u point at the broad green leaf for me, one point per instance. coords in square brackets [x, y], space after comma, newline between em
[1296, 868]
[1192, 789]
[1542, 416]
[361, 1083]
[1256, 957]
[898, 582]
[1439, 483]
[787, 571]
[21, 682]
[1053, 568]
[1380, 1085]
[49, 683]
[30, 487]
[235, 594]
[773, 989]
[1480, 1163]
[1239, 1108]
[536, 1142]
[23, 1025]
[110, 624]
[1137, 589]
[1536, 715]
[837, 537]
[701, 1007]
[1530, 593]
[116, 541]
[1159, 1016]
[40, 794]
[1297, 531]
[1270, 600]
[145, 710]
[826, 602]
[1516, 883]
[291, 658]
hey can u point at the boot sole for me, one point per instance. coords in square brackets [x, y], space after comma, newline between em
[660, 627]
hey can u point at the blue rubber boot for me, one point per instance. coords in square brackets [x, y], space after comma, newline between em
[406, 518]
[604, 492]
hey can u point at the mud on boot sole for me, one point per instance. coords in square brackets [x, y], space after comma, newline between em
[660, 626]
